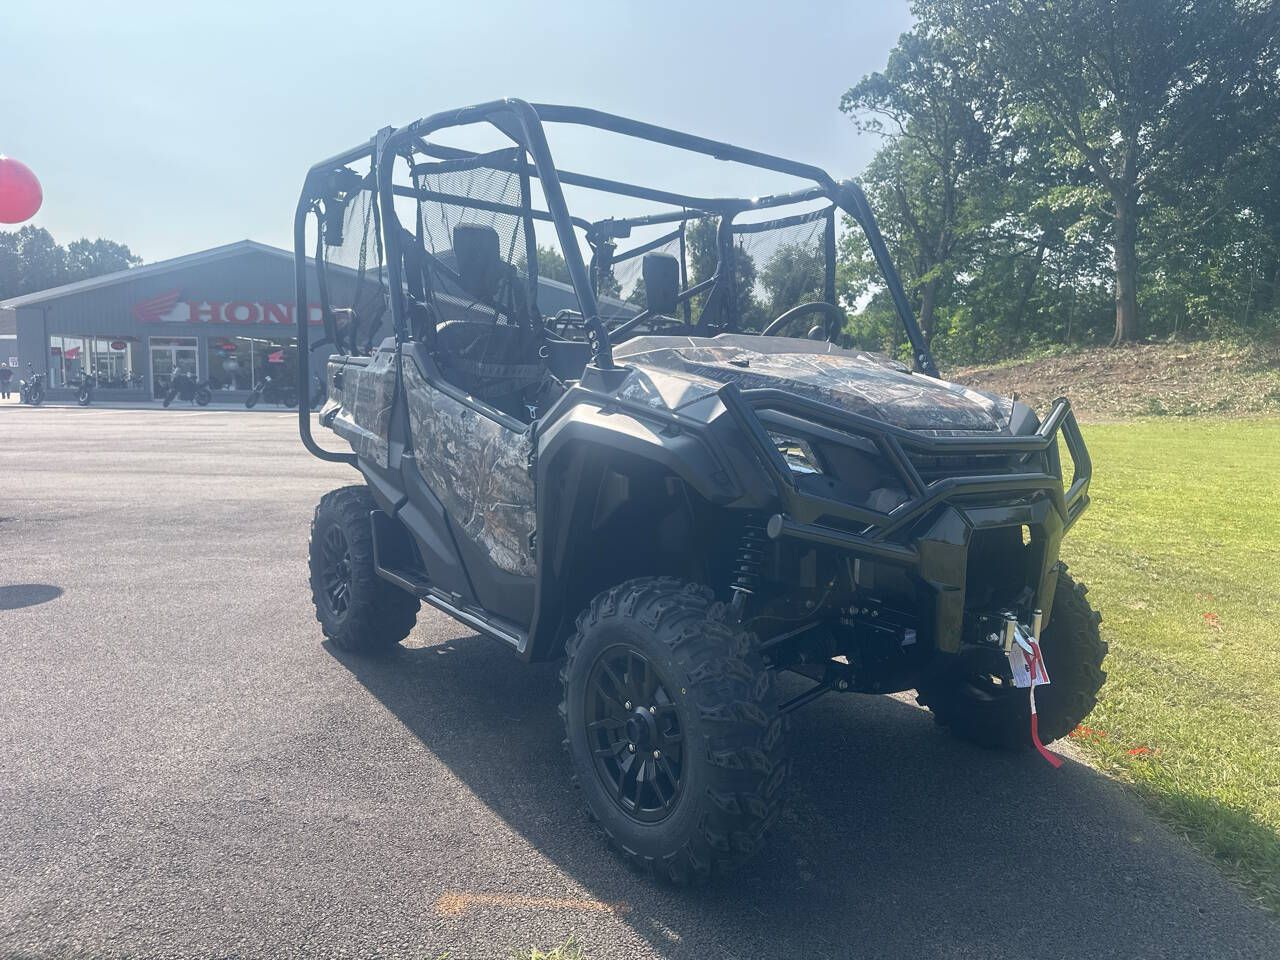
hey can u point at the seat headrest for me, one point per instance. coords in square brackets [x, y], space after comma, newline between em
[661, 272]
[475, 247]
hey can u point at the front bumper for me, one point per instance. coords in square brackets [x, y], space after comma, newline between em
[931, 531]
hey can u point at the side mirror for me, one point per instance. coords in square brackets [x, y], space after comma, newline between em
[661, 273]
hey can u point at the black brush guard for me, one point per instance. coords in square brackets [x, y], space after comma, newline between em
[930, 532]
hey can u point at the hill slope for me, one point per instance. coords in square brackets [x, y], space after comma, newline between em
[1142, 380]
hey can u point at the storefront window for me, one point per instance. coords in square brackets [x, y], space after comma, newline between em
[66, 354]
[116, 361]
[230, 363]
[240, 363]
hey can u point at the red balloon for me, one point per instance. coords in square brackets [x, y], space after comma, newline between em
[20, 193]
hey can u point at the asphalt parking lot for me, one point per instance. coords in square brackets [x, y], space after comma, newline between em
[185, 769]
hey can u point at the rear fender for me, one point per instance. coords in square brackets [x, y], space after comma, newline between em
[361, 393]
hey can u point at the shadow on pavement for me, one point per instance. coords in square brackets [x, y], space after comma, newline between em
[27, 595]
[897, 840]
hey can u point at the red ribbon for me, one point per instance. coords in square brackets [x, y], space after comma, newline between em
[1034, 667]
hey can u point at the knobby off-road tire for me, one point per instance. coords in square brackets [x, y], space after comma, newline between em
[358, 610]
[712, 689]
[1073, 652]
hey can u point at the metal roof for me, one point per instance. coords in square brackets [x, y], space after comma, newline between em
[208, 256]
[147, 270]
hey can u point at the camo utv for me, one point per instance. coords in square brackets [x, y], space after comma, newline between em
[642, 446]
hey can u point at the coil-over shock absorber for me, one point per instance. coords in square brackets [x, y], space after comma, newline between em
[747, 561]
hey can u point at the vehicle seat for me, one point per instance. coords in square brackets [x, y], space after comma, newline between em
[494, 353]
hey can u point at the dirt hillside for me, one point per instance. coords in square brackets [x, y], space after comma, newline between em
[1142, 380]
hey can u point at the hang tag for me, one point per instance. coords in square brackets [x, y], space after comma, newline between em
[1026, 665]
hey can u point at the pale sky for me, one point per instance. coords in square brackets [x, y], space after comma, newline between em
[175, 127]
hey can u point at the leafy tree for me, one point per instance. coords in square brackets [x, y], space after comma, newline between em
[93, 258]
[702, 257]
[608, 285]
[31, 260]
[1121, 86]
[938, 116]
[700, 248]
[637, 294]
[794, 274]
[551, 264]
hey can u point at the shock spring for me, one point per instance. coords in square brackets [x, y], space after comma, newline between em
[747, 561]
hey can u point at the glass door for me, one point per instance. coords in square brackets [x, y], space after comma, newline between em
[169, 355]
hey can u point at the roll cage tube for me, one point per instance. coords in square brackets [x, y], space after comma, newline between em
[523, 124]
[850, 198]
[529, 135]
[301, 314]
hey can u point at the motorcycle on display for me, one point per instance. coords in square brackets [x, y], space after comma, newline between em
[85, 387]
[187, 387]
[268, 387]
[127, 381]
[31, 388]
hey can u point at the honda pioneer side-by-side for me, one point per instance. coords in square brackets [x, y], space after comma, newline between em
[641, 444]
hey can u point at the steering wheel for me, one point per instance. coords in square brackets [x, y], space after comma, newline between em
[835, 318]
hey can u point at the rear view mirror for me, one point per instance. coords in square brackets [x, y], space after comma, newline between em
[661, 273]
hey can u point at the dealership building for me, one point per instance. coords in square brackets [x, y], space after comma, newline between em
[226, 314]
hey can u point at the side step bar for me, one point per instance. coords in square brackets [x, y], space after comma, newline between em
[414, 582]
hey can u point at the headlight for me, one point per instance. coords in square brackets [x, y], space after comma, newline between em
[798, 454]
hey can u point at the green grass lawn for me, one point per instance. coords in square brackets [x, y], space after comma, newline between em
[1181, 550]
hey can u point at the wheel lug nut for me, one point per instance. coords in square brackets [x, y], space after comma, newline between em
[631, 748]
[657, 754]
[653, 709]
[627, 705]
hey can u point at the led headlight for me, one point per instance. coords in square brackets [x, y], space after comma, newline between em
[798, 454]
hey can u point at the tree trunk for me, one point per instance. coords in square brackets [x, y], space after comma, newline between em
[1271, 296]
[1029, 284]
[928, 305]
[1126, 263]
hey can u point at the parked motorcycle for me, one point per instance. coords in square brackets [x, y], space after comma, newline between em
[270, 388]
[187, 387]
[85, 387]
[31, 388]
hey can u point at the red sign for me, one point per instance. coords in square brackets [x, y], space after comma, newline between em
[275, 357]
[118, 344]
[171, 308]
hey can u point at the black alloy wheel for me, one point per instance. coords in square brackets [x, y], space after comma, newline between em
[337, 571]
[635, 731]
[358, 610]
[672, 726]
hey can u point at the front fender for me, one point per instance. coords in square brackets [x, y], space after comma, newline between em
[708, 455]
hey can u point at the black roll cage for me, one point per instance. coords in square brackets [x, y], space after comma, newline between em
[523, 123]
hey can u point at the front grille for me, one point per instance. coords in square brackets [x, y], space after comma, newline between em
[937, 467]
